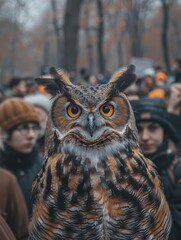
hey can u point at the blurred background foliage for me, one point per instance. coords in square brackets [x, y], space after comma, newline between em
[100, 35]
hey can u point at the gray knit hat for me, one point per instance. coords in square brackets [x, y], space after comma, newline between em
[39, 100]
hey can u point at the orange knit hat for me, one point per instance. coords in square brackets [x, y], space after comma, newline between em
[157, 93]
[14, 111]
[161, 76]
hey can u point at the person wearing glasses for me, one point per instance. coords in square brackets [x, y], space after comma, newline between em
[19, 153]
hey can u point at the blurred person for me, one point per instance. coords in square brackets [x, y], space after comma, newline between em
[92, 79]
[157, 92]
[177, 70]
[31, 85]
[148, 82]
[173, 100]
[135, 91]
[44, 69]
[72, 76]
[153, 84]
[13, 210]
[158, 140]
[84, 73]
[42, 105]
[17, 87]
[42, 90]
[161, 78]
[19, 153]
[103, 78]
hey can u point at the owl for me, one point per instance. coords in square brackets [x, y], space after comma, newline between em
[95, 182]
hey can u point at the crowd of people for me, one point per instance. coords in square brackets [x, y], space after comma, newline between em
[156, 103]
[23, 115]
[24, 108]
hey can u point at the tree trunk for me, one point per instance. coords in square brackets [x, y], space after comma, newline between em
[46, 51]
[71, 27]
[13, 49]
[100, 37]
[57, 32]
[176, 39]
[136, 37]
[165, 46]
[120, 51]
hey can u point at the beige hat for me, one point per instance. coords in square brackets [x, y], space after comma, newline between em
[14, 111]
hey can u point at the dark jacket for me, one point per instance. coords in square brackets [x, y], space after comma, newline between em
[13, 210]
[170, 174]
[178, 76]
[24, 167]
[176, 120]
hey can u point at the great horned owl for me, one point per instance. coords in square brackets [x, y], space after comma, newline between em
[95, 182]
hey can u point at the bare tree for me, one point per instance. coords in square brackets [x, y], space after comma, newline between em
[19, 6]
[176, 26]
[100, 37]
[136, 18]
[176, 38]
[165, 27]
[57, 31]
[71, 27]
[89, 31]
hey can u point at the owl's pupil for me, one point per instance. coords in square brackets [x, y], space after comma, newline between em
[106, 109]
[74, 110]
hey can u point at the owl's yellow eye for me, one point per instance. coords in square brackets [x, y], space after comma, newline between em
[107, 110]
[73, 111]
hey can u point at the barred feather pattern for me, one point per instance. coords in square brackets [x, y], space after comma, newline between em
[119, 197]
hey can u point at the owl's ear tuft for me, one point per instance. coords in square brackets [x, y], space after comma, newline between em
[123, 78]
[54, 82]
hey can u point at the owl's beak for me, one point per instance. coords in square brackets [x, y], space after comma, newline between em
[90, 123]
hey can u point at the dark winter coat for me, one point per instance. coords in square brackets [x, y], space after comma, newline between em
[176, 120]
[25, 167]
[178, 76]
[170, 174]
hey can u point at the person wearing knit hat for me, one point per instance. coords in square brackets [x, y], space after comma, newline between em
[42, 105]
[155, 134]
[19, 153]
[161, 76]
[157, 93]
[154, 109]
[14, 111]
[148, 79]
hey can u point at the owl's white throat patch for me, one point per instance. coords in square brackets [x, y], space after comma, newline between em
[94, 153]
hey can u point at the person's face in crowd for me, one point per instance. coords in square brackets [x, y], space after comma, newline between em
[93, 80]
[150, 135]
[23, 137]
[149, 81]
[21, 88]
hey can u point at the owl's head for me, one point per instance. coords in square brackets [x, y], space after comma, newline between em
[89, 116]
